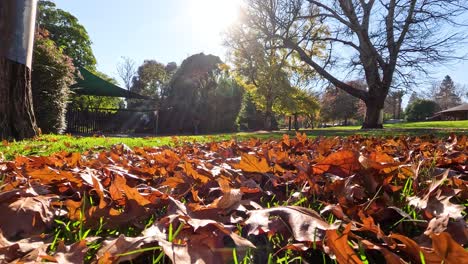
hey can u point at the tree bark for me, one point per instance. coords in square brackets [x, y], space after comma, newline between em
[267, 125]
[290, 123]
[374, 115]
[296, 123]
[16, 109]
[268, 116]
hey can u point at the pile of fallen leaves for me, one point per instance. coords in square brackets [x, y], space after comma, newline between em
[355, 199]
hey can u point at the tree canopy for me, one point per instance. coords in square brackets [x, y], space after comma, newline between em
[152, 79]
[387, 39]
[420, 110]
[73, 40]
[67, 33]
[338, 105]
[267, 70]
[197, 95]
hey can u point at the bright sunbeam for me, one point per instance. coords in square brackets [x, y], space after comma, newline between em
[212, 17]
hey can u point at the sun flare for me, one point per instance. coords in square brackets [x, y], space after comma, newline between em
[213, 16]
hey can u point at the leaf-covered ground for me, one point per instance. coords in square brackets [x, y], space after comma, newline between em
[291, 200]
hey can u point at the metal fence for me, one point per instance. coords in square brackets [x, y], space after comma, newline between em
[111, 121]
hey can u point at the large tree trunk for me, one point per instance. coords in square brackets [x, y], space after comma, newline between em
[374, 114]
[268, 121]
[17, 21]
[268, 116]
[296, 123]
[16, 110]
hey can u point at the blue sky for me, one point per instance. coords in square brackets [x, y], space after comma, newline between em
[165, 30]
[170, 30]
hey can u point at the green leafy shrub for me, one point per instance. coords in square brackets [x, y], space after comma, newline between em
[420, 110]
[52, 74]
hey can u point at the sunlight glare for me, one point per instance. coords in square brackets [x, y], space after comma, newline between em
[212, 17]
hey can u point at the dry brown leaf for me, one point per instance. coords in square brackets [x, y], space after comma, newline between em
[448, 250]
[438, 205]
[194, 174]
[26, 216]
[414, 251]
[115, 249]
[305, 224]
[379, 161]
[206, 245]
[26, 250]
[131, 193]
[339, 247]
[390, 257]
[48, 175]
[229, 198]
[71, 254]
[342, 163]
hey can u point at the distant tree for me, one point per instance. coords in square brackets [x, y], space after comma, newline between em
[188, 92]
[336, 104]
[250, 117]
[414, 96]
[67, 33]
[446, 97]
[268, 70]
[420, 110]
[299, 103]
[222, 105]
[393, 104]
[52, 74]
[152, 79]
[127, 71]
[171, 68]
[387, 39]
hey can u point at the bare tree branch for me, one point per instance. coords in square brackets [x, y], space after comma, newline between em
[126, 70]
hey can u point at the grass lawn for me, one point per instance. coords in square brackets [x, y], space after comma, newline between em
[47, 144]
[463, 124]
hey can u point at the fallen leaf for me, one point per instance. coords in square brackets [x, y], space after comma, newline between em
[115, 249]
[342, 163]
[414, 251]
[339, 247]
[448, 250]
[27, 216]
[71, 254]
[250, 163]
[304, 224]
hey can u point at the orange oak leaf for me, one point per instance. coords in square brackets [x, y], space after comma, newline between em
[250, 163]
[339, 246]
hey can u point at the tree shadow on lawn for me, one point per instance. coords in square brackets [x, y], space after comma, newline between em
[387, 132]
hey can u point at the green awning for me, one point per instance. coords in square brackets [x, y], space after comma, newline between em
[91, 84]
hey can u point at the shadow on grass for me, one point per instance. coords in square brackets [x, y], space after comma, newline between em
[387, 132]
